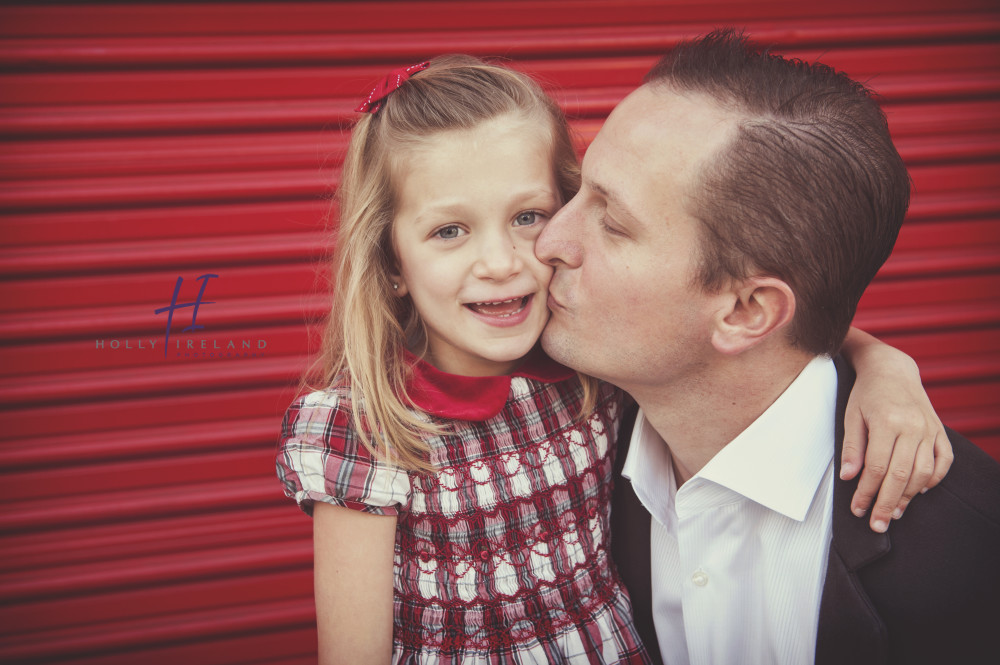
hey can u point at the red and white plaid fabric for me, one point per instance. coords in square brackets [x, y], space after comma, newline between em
[502, 556]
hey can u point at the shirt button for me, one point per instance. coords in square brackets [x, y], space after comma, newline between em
[700, 578]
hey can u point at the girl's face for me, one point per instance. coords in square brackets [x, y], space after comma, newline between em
[470, 204]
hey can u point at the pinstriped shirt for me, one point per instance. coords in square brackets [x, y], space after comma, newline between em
[739, 551]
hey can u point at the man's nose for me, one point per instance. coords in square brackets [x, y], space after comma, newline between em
[559, 242]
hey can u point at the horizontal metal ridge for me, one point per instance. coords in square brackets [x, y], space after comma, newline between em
[926, 318]
[130, 191]
[938, 263]
[200, 51]
[215, 18]
[171, 116]
[161, 600]
[203, 563]
[93, 544]
[309, 83]
[174, 254]
[222, 221]
[36, 514]
[148, 380]
[185, 626]
[136, 443]
[60, 418]
[240, 152]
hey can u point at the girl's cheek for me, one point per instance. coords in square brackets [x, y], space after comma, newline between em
[545, 275]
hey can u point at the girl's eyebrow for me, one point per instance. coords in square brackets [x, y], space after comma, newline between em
[429, 219]
[442, 210]
[518, 198]
[539, 193]
[543, 196]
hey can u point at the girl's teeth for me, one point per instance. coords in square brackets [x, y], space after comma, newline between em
[500, 302]
[500, 309]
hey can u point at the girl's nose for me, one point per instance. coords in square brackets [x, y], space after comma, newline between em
[499, 258]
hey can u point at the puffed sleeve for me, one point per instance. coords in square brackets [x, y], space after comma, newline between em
[320, 458]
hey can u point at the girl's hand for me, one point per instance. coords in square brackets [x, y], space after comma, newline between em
[891, 425]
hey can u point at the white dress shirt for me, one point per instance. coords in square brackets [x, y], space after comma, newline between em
[739, 551]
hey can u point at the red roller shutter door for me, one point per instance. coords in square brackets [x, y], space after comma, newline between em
[143, 143]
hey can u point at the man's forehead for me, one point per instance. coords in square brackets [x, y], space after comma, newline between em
[611, 151]
[608, 169]
[656, 132]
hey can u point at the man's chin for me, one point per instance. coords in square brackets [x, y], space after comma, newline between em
[557, 345]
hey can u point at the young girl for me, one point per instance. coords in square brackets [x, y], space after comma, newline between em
[458, 478]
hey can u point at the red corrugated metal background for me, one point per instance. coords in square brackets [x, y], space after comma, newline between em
[141, 143]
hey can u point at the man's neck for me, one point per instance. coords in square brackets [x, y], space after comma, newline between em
[699, 418]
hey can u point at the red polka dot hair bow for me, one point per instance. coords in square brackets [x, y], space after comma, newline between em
[391, 82]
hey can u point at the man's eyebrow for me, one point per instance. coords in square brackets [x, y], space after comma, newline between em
[615, 200]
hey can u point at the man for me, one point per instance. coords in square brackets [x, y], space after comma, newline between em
[733, 210]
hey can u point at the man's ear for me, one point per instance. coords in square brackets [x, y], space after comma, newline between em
[754, 310]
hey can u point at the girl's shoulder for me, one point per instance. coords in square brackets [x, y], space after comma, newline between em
[336, 396]
[325, 417]
[321, 457]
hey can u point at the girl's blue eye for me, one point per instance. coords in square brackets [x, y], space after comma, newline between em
[526, 218]
[448, 232]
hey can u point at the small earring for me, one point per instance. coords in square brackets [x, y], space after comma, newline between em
[395, 286]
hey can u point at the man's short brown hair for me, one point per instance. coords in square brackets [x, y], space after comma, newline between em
[810, 190]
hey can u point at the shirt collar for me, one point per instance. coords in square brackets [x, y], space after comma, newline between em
[474, 397]
[650, 469]
[788, 450]
[789, 447]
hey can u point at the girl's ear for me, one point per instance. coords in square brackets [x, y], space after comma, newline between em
[396, 282]
[756, 309]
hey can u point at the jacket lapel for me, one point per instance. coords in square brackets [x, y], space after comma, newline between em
[630, 541]
[850, 630]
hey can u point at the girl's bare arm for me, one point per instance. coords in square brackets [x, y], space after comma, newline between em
[353, 554]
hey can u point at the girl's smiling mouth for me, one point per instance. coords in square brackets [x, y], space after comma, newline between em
[502, 311]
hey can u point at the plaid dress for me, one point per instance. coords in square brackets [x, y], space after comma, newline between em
[502, 555]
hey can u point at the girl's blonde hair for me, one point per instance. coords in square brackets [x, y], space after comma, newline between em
[369, 328]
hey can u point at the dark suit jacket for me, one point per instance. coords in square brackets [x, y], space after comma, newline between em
[928, 591]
